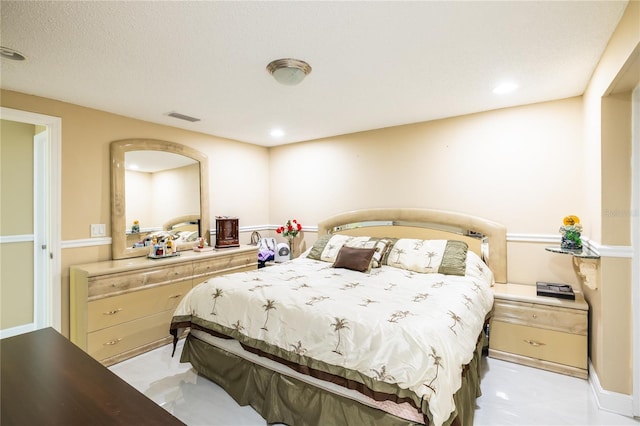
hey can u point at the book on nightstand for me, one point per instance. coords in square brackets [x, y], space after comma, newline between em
[563, 291]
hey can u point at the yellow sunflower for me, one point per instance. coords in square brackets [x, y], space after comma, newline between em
[571, 220]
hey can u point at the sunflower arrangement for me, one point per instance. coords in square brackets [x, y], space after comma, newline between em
[571, 230]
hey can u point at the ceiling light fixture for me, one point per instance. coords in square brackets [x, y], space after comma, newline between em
[289, 71]
[505, 88]
[8, 53]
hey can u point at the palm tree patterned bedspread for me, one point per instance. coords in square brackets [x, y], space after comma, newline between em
[395, 331]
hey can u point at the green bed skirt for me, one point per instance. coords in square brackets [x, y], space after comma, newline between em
[283, 399]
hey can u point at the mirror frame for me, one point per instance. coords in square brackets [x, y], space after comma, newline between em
[119, 249]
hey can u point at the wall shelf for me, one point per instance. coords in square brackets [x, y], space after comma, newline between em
[587, 263]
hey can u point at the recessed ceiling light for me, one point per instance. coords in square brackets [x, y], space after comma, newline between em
[506, 87]
[277, 133]
[8, 53]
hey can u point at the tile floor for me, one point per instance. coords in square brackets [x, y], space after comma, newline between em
[512, 395]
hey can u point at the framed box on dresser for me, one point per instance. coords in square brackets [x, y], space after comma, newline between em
[122, 308]
[227, 229]
[543, 332]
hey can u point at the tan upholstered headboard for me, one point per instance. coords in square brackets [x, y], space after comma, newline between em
[486, 238]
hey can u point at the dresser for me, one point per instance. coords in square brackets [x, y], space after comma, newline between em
[542, 332]
[122, 308]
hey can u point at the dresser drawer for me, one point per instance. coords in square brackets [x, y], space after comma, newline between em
[106, 285]
[110, 311]
[541, 316]
[543, 344]
[205, 269]
[124, 337]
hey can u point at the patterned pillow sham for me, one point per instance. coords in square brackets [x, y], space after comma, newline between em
[326, 248]
[356, 259]
[428, 256]
[316, 250]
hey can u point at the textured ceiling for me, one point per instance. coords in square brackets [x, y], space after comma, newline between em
[375, 64]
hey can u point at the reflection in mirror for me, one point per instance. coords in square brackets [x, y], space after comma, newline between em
[158, 189]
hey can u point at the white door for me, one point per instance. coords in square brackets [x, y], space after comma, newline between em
[29, 236]
[41, 273]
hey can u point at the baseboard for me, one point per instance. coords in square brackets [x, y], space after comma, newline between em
[14, 331]
[614, 402]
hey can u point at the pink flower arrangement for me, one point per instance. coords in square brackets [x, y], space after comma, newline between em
[290, 229]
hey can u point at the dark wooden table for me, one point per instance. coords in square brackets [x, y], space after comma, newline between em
[47, 380]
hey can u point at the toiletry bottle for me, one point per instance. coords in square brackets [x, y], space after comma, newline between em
[153, 246]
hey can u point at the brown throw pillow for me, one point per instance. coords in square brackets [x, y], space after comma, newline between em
[356, 259]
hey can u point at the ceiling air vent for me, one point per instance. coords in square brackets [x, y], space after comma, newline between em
[183, 117]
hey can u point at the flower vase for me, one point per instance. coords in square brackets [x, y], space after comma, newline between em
[291, 256]
[571, 238]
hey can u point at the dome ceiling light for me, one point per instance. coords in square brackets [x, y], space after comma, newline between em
[289, 71]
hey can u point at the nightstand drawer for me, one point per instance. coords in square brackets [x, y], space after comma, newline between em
[543, 344]
[541, 316]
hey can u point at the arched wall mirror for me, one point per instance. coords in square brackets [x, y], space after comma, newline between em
[157, 188]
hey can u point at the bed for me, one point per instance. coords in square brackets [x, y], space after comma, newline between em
[380, 322]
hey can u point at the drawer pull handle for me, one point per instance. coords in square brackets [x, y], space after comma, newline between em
[115, 311]
[534, 343]
[535, 316]
[112, 342]
[175, 296]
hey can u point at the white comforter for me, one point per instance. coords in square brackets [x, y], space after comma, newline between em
[394, 330]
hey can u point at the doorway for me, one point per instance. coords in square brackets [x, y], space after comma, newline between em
[36, 244]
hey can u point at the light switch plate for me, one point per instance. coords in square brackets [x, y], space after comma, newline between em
[98, 229]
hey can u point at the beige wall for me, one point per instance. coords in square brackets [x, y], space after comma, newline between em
[607, 144]
[86, 135]
[615, 167]
[477, 164]
[519, 166]
[16, 218]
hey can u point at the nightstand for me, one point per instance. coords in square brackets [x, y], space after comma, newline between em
[542, 332]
